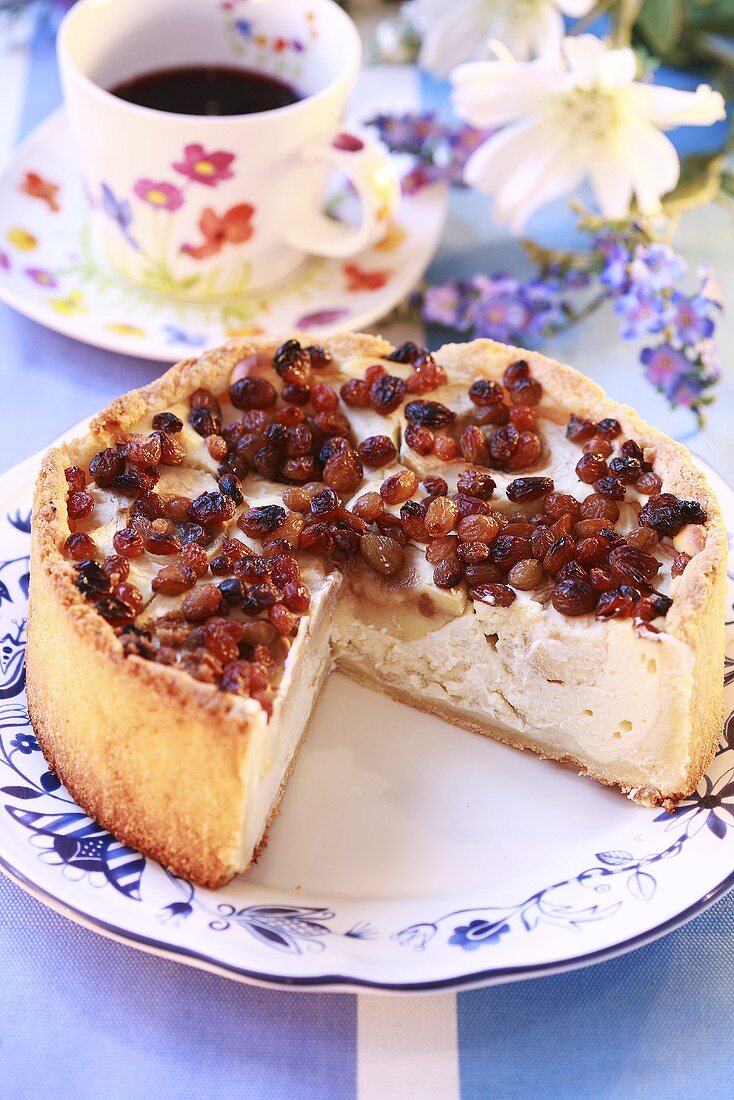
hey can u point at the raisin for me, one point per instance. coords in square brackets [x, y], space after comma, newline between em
[515, 371]
[590, 467]
[105, 466]
[413, 354]
[573, 597]
[295, 394]
[631, 565]
[80, 547]
[426, 377]
[523, 418]
[591, 551]
[610, 487]
[613, 604]
[445, 448]
[292, 363]
[441, 517]
[526, 391]
[131, 595]
[324, 504]
[252, 393]
[473, 446]
[257, 522]
[471, 553]
[167, 422]
[506, 550]
[318, 357]
[495, 595]
[368, 506]
[478, 528]
[91, 579]
[524, 489]
[609, 428]
[387, 393]
[561, 504]
[560, 553]
[344, 471]
[649, 484]
[79, 504]
[680, 561]
[383, 554]
[114, 610]
[356, 393]
[194, 557]
[526, 574]
[201, 602]
[503, 444]
[474, 483]
[599, 507]
[579, 429]
[204, 421]
[627, 469]
[398, 487]
[211, 508]
[484, 393]
[296, 498]
[598, 445]
[419, 439]
[483, 572]
[76, 478]
[144, 452]
[435, 485]
[429, 414]
[448, 573]
[296, 597]
[128, 543]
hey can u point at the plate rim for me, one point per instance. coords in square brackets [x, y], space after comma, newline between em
[335, 982]
[34, 310]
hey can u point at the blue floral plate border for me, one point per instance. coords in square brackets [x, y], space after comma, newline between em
[670, 868]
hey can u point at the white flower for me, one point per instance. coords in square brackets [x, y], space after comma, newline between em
[459, 30]
[578, 115]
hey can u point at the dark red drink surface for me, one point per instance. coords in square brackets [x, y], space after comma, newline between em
[206, 90]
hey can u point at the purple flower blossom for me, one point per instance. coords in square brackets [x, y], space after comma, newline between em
[657, 265]
[641, 312]
[615, 272]
[689, 317]
[500, 317]
[445, 305]
[440, 150]
[664, 365]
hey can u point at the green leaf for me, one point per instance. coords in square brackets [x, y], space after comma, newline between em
[700, 182]
[661, 23]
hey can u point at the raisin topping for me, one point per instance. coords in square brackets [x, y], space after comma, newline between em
[383, 554]
[495, 595]
[609, 428]
[167, 422]
[484, 393]
[573, 597]
[76, 479]
[105, 466]
[252, 393]
[524, 489]
[91, 579]
[211, 508]
[387, 393]
[429, 414]
[293, 363]
[413, 354]
[257, 522]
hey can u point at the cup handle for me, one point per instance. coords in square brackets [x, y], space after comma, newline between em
[370, 172]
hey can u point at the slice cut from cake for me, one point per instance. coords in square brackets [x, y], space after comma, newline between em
[478, 532]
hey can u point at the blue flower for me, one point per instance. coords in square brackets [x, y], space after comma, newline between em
[25, 743]
[478, 932]
[500, 317]
[179, 336]
[244, 26]
[714, 809]
[641, 310]
[176, 912]
[689, 317]
[615, 272]
[118, 210]
[657, 265]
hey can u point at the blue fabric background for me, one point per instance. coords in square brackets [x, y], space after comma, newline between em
[82, 1018]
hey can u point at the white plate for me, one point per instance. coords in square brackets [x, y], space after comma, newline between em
[49, 272]
[408, 855]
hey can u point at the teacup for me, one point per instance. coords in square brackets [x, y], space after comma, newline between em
[210, 206]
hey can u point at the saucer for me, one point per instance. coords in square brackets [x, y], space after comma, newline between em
[49, 272]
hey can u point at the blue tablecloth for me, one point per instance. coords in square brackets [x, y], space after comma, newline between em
[83, 1018]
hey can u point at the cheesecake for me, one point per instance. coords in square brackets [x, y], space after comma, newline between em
[478, 532]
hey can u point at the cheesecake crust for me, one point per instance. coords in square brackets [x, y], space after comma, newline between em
[157, 757]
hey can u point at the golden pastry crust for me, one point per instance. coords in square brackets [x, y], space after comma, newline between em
[158, 757]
